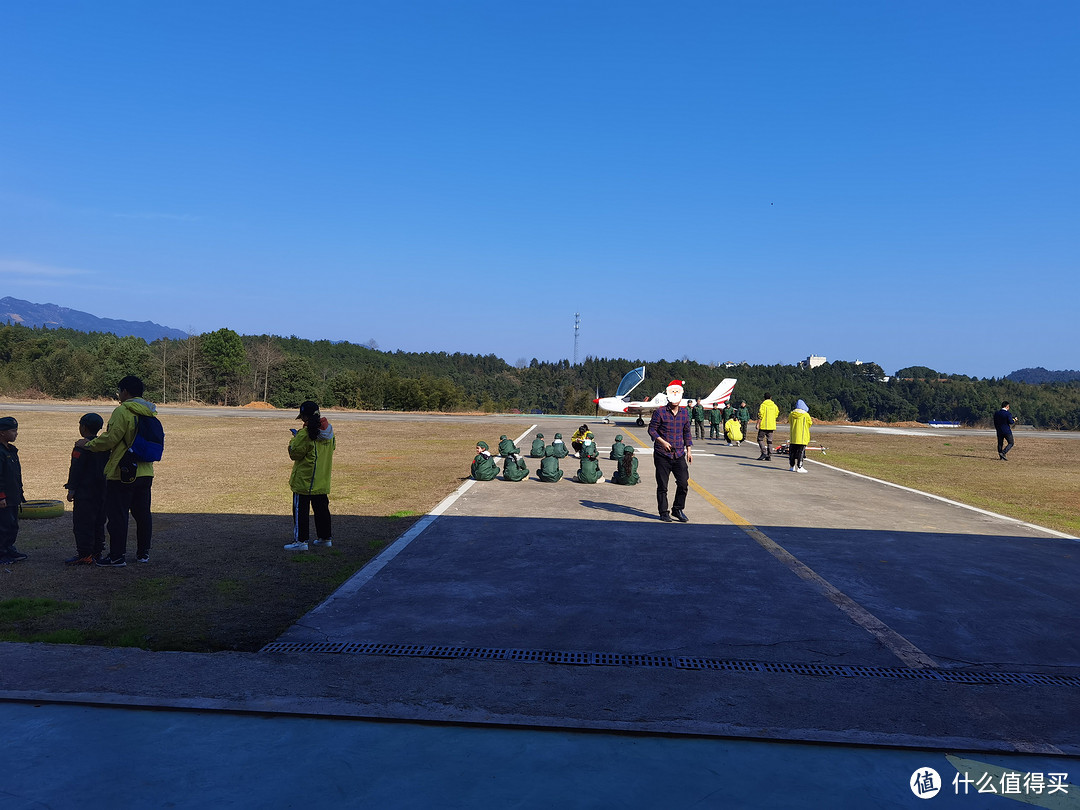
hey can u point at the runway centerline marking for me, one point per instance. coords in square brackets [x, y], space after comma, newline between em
[899, 646]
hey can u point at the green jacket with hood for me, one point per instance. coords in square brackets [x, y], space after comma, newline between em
[120, 433]
[312, 460]
[617, 448]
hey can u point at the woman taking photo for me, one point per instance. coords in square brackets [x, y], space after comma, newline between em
[312, 452]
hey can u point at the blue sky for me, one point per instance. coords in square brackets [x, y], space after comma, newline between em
[884, 181]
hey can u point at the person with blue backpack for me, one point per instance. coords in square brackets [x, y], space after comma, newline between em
[128, 476]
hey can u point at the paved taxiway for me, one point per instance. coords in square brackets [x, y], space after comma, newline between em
[797, 608]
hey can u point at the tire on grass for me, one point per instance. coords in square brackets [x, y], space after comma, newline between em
[32, 510]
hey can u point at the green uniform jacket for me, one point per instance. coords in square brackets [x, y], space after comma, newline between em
[549, 468]
[617, 450]
[744, 414]
[626, 480]
[11, 485]
[714, 416]
[698, 412]
[589, 472]
[484, 468]
[537, 448]
[560, 449]
[800, 422]
[119, 434]
[768, 413]
[312, 461]
[514, 468]
[507, 447]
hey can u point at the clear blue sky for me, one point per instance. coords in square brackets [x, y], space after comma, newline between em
[894, 182]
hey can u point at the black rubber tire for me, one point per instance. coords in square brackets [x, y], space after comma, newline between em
[33, 510]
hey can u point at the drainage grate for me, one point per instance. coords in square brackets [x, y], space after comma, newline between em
[603, 659]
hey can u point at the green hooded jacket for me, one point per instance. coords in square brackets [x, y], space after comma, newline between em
[549, 471]
[538, 446]
[120, 433]
[617, 448]
[312, 460]
[514, 468]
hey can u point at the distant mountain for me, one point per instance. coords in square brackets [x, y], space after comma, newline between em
[1039, 375]
[55, 317]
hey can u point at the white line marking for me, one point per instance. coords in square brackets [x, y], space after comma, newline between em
[987, 512]
[368, 572]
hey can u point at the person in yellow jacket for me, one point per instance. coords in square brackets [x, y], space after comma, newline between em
[800, 422]
[733, 431]
[312, 452]
[124, 499]
[768, 413]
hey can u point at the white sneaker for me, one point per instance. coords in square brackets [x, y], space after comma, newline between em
[295, 546]
[800, 469]
[327, 543]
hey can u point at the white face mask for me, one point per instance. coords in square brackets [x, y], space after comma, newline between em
[674, 393]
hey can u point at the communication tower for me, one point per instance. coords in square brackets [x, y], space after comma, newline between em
[577, 330]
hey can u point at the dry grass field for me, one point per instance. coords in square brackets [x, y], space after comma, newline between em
[1040, 483]
[218, 577]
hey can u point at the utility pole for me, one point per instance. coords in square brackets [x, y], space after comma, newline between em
[577, 330]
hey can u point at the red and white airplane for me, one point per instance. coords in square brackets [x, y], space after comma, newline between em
[623, 403]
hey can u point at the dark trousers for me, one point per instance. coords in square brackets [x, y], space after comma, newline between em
[9, 527]
[1002, 439]
[764, 441]
[122, 500]
[320, 507]
[665, 466]
[88, 524]
[714, 430]
[797, 454]
[699, 429]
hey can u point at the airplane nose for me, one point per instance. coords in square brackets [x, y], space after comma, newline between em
[596, 401]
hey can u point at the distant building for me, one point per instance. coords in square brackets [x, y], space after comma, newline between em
[813, 361]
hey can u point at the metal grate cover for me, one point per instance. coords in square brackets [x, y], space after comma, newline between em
[603, 659]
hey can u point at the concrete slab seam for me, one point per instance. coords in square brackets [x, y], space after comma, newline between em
[943, 499]
[899, 646]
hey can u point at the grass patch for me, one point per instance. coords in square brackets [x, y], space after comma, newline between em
[1038, 484]
[218, 578]
[22, 608]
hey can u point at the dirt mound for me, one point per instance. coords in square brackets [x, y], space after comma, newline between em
[261, 406]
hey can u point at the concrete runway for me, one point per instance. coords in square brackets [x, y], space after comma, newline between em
[824, 608]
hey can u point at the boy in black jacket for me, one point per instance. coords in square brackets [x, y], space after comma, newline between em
[11, 491]
[86, 490]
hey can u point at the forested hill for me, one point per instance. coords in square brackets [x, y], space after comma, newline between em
[1040, 375]
[227, 368]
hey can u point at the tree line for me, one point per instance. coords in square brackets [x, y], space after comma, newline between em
[223, 367]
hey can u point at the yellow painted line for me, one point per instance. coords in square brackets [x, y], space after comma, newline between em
[903, 649]
[1065, 795]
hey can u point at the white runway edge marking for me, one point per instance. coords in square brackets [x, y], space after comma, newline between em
[367, 573]
[986, 512]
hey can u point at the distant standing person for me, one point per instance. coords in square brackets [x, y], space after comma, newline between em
[312, 452]
[698, 412]
[715, 417]
[125, 499]
[670, 432]
[768, 413]
[800, 421]
[1003, 422]
[86, 491]
[11, 491]
[743, 415]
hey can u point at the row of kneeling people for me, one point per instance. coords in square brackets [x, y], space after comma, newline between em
[485, 467]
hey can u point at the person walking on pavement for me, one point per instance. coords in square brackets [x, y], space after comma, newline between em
[1003, 422]
[800, 421]
[768, 413]
[670, 432]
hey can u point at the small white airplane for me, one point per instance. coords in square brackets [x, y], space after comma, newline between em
[622, 403]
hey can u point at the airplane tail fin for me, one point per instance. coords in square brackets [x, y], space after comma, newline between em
[721, 394]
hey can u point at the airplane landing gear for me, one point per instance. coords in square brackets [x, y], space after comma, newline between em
[640, 422]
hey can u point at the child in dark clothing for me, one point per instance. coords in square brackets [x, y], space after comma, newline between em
[86, 490]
